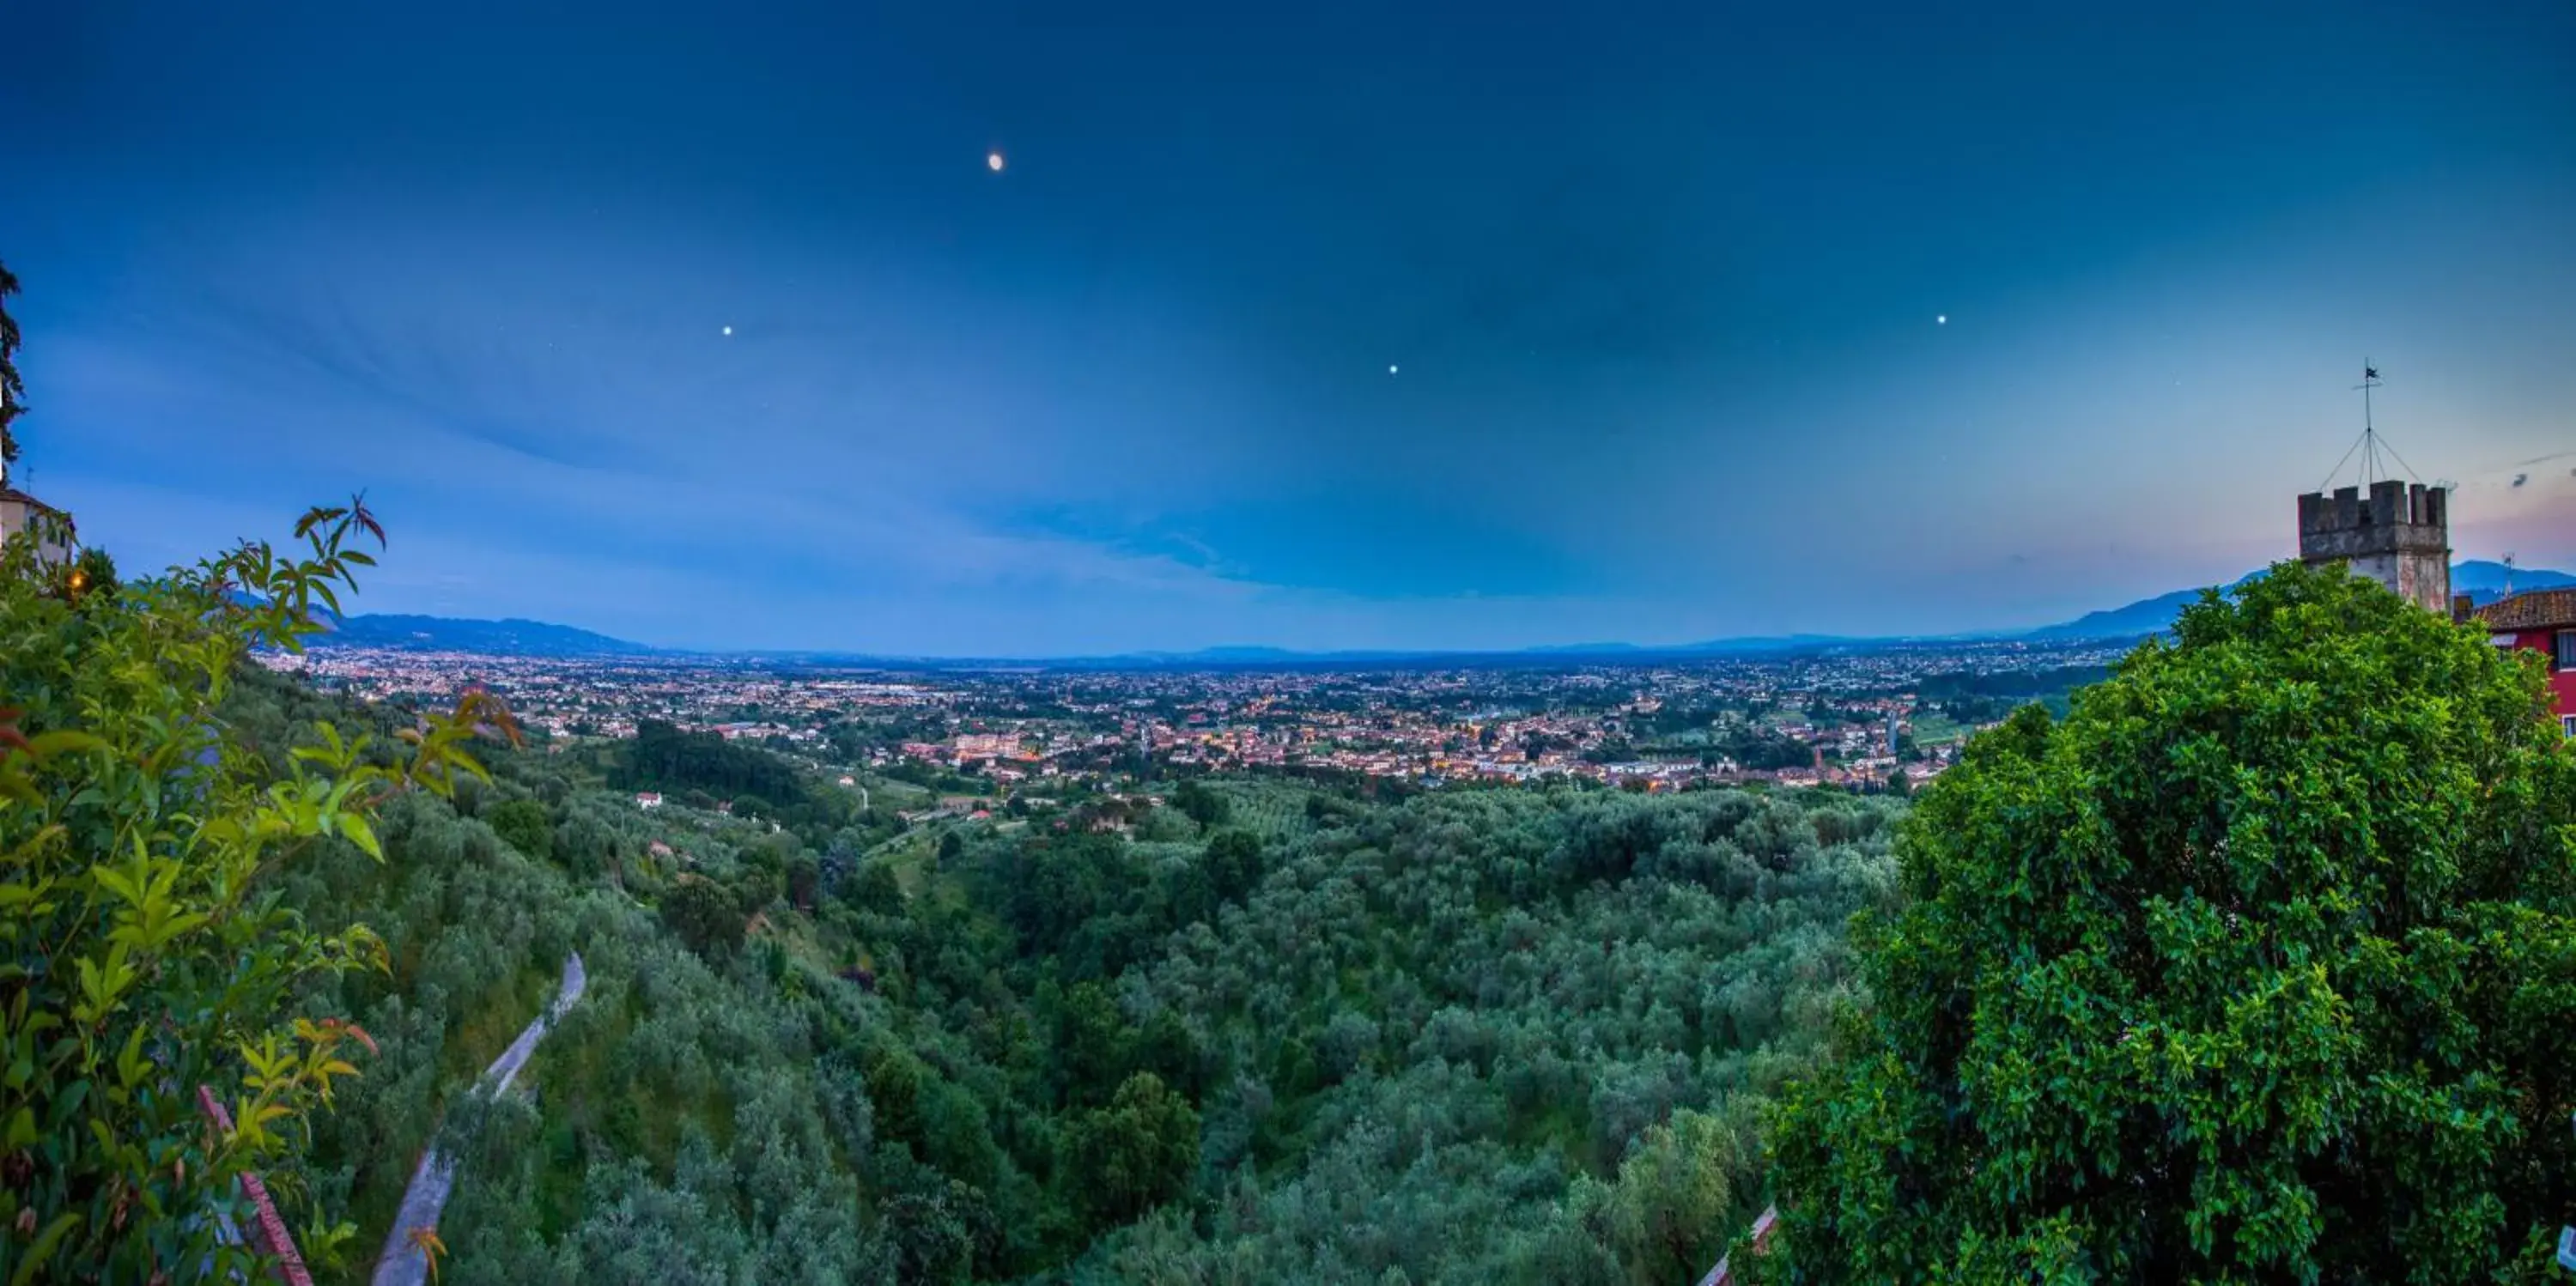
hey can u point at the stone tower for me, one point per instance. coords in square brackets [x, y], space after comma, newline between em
[2400, 536]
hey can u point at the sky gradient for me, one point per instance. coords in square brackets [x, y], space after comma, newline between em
[1321, 325]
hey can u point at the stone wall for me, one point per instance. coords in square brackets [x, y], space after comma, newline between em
[2398, 535]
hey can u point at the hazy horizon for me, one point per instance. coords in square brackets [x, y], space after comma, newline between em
[1441, 329]
[1893, 634]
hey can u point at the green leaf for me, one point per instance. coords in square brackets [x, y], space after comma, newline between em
[63, 741]
[43, 1249]
[127, 888]
[130, 1068]
[21, 1131]
[354, 825]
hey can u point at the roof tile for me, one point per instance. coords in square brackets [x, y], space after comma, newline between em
[2533, 609]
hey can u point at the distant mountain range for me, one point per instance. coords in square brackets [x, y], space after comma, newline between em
[2137, 620]
[512, 637]
[2483, 581]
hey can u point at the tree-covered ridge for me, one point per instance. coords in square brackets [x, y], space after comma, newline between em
[662, 757]
[1503, 1035]
[2259, 967]
[1472, 1026]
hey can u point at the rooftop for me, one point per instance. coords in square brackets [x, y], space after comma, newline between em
[9, 494]
[2532, 609]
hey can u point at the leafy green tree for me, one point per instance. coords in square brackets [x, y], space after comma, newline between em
[893, 1077]
[1209, 808]
[2260, 967]
[1091, 1045]
[804, 876]
[522, 824]
[93, 572]
[704, 915]
[933, 1231]
[148, 956]
[13, 390]
[1667, 1214]
[876, 889]
[1234, 864]
[1124, 1159]
[956, 1136]
[1182, 892]
[762, 878]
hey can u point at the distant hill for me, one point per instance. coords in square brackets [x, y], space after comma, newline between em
[2136, 620]
[512, 637]
[2485, 581]
[2481, 580]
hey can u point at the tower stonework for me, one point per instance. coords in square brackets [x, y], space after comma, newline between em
[2400, 536]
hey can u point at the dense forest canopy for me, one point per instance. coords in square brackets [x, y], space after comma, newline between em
[1520, 1034]
[663, 757]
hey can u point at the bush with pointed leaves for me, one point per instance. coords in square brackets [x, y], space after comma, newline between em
[146, 951]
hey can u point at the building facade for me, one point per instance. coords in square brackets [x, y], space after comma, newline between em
[2543, 621]
[2398, 535]
[22, 516]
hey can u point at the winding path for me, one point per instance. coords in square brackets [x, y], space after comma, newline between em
[404, 1264]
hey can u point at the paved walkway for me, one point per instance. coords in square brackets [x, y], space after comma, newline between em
[404, 1264]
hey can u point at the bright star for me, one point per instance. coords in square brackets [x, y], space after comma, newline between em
[1942, 320]
[728, 330]
[1390, 370]
[993, 162]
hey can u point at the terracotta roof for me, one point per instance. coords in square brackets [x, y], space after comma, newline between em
[2532, 609]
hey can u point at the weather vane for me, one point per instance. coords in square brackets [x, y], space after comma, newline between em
[2370, 446]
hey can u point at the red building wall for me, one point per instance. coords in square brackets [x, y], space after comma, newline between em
[2562, 682]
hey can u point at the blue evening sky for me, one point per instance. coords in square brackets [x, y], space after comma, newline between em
[1319, 325]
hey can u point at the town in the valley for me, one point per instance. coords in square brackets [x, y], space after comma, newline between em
[971, 741]
[1869, 718]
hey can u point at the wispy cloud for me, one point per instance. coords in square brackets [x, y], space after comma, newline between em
[1664, 375]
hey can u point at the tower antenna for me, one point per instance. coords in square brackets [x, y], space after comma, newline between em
[2376, 455]
[2397, 535]
[2369, 430]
